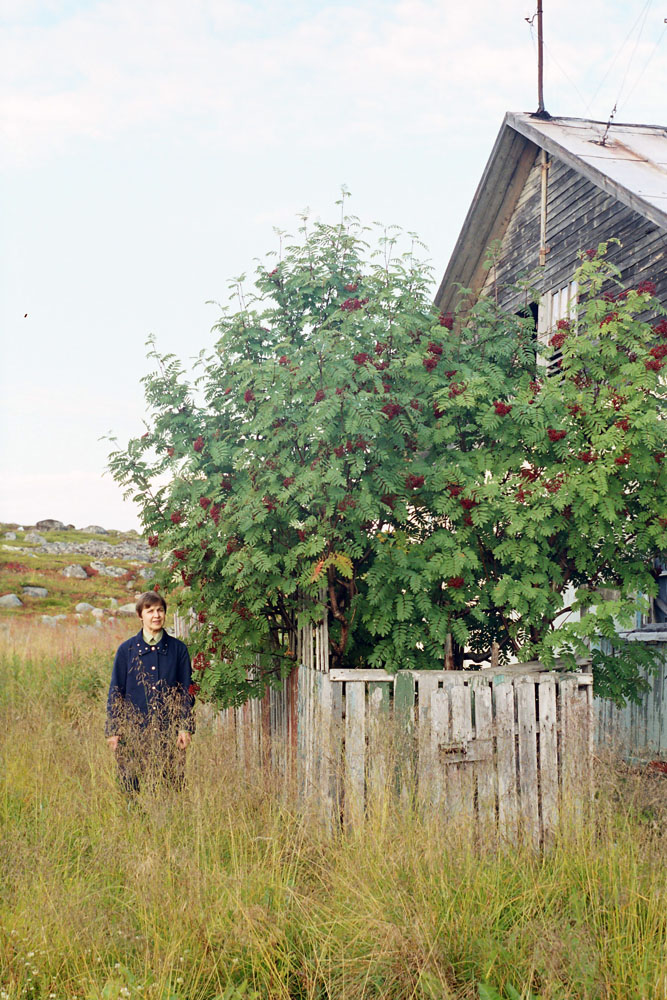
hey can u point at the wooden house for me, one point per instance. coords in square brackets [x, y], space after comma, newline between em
[551, 188]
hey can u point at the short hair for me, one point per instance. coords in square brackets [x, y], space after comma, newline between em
[148, 600]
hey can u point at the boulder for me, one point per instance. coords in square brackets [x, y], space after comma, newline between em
[82, 607]
[49, 524]
[127, 609]
[147, 573]
[115, 571]
[35, 537]
[95, 529]
[53, 619]
[78, 572]
[98, 613]
[12, 601]
[10, 536]
[35, 591]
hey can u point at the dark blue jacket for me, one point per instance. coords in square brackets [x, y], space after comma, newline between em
[150, 683]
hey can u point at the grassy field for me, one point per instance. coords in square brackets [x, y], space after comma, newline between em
[227, 891]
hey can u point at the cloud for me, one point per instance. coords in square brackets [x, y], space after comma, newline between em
[246, 75]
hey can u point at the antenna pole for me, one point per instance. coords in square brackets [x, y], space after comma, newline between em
[540, 61]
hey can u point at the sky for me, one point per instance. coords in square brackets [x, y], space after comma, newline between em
[149, 149]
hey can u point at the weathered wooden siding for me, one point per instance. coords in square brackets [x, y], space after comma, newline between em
[579, 216]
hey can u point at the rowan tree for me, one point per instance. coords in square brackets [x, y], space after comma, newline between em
[348, 451]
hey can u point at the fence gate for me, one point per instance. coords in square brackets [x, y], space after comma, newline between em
[506, 749]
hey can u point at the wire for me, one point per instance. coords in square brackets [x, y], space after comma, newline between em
[614, 60]
[634, 51]
[647, 61]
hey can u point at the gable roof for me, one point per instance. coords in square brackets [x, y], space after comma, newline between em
[628, 162]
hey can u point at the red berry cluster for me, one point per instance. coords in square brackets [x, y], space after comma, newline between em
[623, 459]
[214, 512]
[455, 582]
[623, 425]
[287, 481]
[392, 410]
[153, 541]
[361, 359]
[269, 503]
[654, 365]
[248, 395]
[194, 689]
[380, 348]
[502, 409]
[346, 503]
[199, 661]
[468, 503]
[574, 408]
[446, 320]
[430, 363]
[451, 373]
[554, 485]
[437, 411]
[181, 553]
[555, 435]
[389, 500]
[587, 456]
[414, 482]
[198, 443]
[456, 389]
[659, 352]
[558, 340]
[661, 328]
[350, 305]
[454, 489]
[187, 578]
[530, 474]
[170, 452]
[381, 365]
[434, 348]
[320, 395]
[204, 502]
[609, 318]
[646, 287]
[176, 517]
[352, 287]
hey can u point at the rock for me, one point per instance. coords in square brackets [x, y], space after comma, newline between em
[147, 573]
[98, 613]
[49, 524]
[35, 591]
[127, 609]
[12, 601]
[113, 603]
[48, 620]
[115, 571]
[82, 607]
[34, 536]
[10, 536]
[95, 529]
[78, 572]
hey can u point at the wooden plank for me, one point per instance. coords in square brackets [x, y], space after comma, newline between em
[567, 745]
[355, 751]
[485, 770]
[528, 787]
[427, 763]
[461, 733]
[438, 788]
[503, 696]
[404, 702]
[379, 749]
[548, 756]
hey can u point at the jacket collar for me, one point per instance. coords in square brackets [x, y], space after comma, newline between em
[143, 647]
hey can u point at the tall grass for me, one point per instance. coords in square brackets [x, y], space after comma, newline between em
[227, 891]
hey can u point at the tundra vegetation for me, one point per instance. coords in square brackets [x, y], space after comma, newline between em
[347, 450]
[227, 892]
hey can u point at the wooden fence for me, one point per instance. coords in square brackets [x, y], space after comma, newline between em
[638, 731]
[504, 749]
